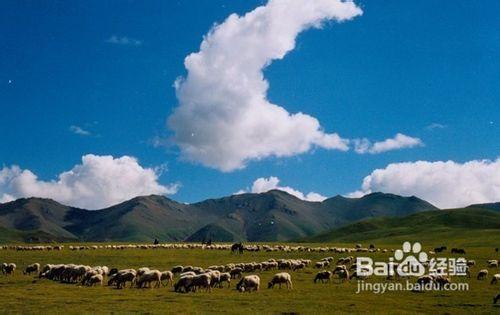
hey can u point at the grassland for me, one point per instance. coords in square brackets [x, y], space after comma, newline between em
[25, 294]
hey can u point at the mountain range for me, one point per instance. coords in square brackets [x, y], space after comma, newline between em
[270, 216]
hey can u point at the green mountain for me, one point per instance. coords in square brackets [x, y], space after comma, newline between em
[463, 226]
[271, 216]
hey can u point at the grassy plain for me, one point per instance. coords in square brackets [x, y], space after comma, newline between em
[25, 294]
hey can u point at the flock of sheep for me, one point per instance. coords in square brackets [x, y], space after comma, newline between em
[225, 247]
[193, 279]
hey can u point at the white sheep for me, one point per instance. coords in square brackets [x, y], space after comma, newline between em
[280, 278]
[249, 283]
[495, 279]
[148, 277]
[32, 268]
[168, 276]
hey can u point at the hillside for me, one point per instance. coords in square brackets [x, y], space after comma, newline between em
[461, 225]
[271, 216]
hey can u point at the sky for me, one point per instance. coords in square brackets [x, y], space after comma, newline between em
[105, 100]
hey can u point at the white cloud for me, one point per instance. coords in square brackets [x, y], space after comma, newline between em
[263, 184]
[79, 131]
[224, 118]
[444, 184]
[98, 182]
[123, 40]
[434, 126]
[400, 141]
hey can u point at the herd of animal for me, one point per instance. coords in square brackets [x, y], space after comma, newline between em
[186, 279]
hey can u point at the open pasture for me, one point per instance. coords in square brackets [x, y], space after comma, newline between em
[28, 294]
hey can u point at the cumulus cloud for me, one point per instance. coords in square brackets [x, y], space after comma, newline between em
[79, 130]
[444, 184]
[399, 141]
[224, 118]
[98, 182]
[263, 184]
[123, 40]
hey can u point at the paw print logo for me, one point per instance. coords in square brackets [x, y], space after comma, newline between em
[408, 264]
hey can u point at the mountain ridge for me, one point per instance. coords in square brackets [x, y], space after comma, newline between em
[271, 216]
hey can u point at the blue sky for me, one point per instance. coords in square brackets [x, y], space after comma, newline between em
[398, 68]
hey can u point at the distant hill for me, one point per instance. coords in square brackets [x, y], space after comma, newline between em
[270, 216]
[490, 206]
[459, 225]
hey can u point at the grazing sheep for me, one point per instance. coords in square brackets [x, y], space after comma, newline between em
[200, 281]
[343, 275]
[112, 271]
[482, 274]
[177, 269]
[321, 264]
[168, 276]
[442, 281]
[147, 278]
[182, 284]
[495, 279]
[32, 268]
[236, 273]
[493, 263]
[323, 276]
[8, 269]
[95, 280]
[225, 277]
[249, 283]
[188, 273]
[280, 278]
[122, 277]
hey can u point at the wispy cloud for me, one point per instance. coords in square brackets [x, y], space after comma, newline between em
[434, 126]
[79, 130]
[398, 142]
[263, 184]
[123, 40]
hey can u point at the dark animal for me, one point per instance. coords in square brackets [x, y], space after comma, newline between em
[112, 271]
[156, 242]
[237, 247]
[496, 298]
[372, 246]
[440, 249]
[458, 251]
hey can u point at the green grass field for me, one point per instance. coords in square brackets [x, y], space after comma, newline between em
[25, 294]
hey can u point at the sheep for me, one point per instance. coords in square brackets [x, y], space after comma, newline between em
[225, 277]
[177, 269]
[236, 273]
[248, 283]
[442, 281]
[8, 269]
[95, 280]
[169, 276]
[321, 264]
[147, 277]
[495, 279]
[323, 276]
[142, 271]
[483, 273]
[343, 274]
[200, 281]
[112, 271]
[182, 284]
[188, 273]
[280, 278]
[122, 277]
[423, 280]
[496, 298]
[493, 263]
[32, 268]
